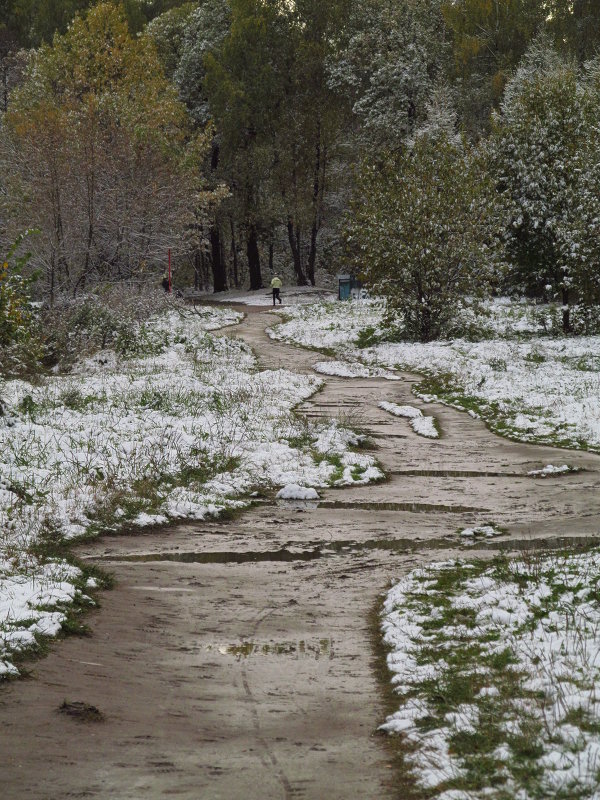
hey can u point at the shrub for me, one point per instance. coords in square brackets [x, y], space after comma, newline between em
[15, 307]
[19, 342]
[424, 232]
[113, 317]
[547, 157]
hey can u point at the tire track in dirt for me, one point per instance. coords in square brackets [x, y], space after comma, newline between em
[268, 752]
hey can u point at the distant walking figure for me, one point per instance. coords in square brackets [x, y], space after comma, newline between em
[276, 285]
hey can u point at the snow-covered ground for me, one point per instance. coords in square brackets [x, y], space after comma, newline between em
[421, 424]
[187, 428]
[521, 381]
[498, 670]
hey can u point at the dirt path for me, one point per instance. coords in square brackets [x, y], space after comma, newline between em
[234, 660]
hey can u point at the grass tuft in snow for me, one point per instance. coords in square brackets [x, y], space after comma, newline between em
[497, 668]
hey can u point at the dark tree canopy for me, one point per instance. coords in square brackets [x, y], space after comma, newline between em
[284, 100]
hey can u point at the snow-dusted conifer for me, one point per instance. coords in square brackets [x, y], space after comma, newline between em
[206, 28]
[442, 119]
[387, 65]
[547, 159]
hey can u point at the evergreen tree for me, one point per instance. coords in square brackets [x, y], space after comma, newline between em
[489, 39]
[544, 147]
[245, 85]
[168, 32]
[194, 37]
[205, 29]
[309, 127]
[389, 58]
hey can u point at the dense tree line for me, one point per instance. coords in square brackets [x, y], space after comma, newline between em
[240, 133]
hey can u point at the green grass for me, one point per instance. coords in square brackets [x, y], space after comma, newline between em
[118, 501]
[326, 351]
[75, 401]
[467, 667]
[368, 337]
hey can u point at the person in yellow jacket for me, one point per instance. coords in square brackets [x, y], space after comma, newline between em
[276, 285]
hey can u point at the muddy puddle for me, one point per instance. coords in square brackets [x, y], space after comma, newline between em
[454, 473]
[414, 508]
[534, 473]
[323, 648]
[219, 557]
[503, 543]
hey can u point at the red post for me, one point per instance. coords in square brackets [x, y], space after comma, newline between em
[170, 285]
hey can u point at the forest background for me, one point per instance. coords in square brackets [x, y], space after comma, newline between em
[440, 148]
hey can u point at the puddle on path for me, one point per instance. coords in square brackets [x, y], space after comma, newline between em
[415, 508]
[352, 548]
[454, 473]
[323, 648]
[220, 557]
[531, 474]
[299, 505]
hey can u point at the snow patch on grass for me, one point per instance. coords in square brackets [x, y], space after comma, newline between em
[522, 382]
[480, 532]
[295, 492]
[34, 601]
[488, 531]
[550, 469]
[187, 429]
[498, 669]
[335, 324]
[344, 369]
[425, 426]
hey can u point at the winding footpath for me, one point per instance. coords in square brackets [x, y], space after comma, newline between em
[236, 659]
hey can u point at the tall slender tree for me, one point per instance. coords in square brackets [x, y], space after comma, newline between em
[246, 85]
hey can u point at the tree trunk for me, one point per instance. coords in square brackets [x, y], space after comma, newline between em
[312, 254]
[293, 238]
[218, 264]
[425, 325]
[205, 281]
[61, 261]
[4, 63]
[50, 278]
[214, 155]
[254, 259]
[91, 215]
[218, 267]
[236, 277]
[566, 314]
[318, 187]
[197, 267]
